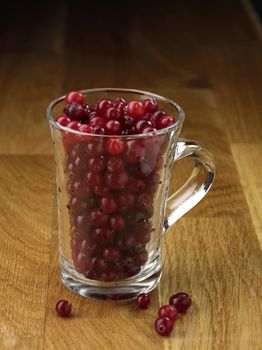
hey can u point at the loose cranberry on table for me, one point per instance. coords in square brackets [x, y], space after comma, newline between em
[168, 311]
[63, 308]
[143, 300]
[181, 301]
[164, 326]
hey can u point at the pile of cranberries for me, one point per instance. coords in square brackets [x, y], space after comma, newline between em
[112, 182]
[167, 314]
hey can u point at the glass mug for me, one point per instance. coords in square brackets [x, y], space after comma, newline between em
[116, 253]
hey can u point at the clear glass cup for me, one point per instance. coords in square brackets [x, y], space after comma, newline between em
[111, 222]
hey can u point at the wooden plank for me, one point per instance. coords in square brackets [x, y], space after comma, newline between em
[27, 197]
[247, 158]
[217, 261]
[28, 83]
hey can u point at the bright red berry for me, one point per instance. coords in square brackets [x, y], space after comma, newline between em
[143, 300]
[135, 109]
[63, 308]
[63, 120]
[74, 96]
[168, 311]
[164, 326]
[115, 146]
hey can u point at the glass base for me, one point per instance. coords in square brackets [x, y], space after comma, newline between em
[127, 289]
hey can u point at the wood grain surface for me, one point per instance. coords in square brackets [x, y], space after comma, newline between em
[208, 58]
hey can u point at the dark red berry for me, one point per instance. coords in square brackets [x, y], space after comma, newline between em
[165, 121]
[63, 120]
[143, 300]
[141, 258]
[78, 188]
[113, 127]
[74, 125]
[93, 178]
[94, 149]
[101, 190]
[135, 109]
[115, 163]
[119, 103]
[97, 218]
[140, 125]
[74, 96]
[115, 146]
[111, 254]
[102, 235]
[135, 151]
[108, 204]
[150, 105]
[77, 111]
[136, 184]
[103, 106]
[168, 311]
[109, 276]
[117, 222]
[98, 121]
[96, 164]
[164, 326]
[63, 308]
[127, 122]
[181, 301]
[116, 180]
[125, 199]
[82, 262]
[112, 114]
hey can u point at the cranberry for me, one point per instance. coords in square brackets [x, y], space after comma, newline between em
[96, 164]
[164, 326]
[143, 300]
[97, 218]
[128, 262]
[111, 254]
[77, 205]
[127, 122]
[99, 264]
[158, 115]
[132, 271]
[112, 114]
[126, 199]
[168, 311]
[74, 96]
[103, 106]
[88, 247]
[86, 128]
[98, 121]
[63, 308]
[135, 151]
[181, 301]
[119, 103]
[75, 245]
[79, 189]
[76, 234]
[141, 258]
[113, 127]
[135, 109]
[98, 130]
[102, 235]
[143, 237]
[117, 222]
[148, 129]
[82, 224]
[73, 125]
[125, 241]
[95, 149]
[63, 120]
[109, 276]
[108, 204]
[142, 228]
[165, 121]
[93, 178]
[150, 105]
[136, 184]
[77, 111]
[115, 146]
[115, 163]
[101, 190]
[151, 118]
[82, 262]
[116, 180]
[140, 125]
[144, 200]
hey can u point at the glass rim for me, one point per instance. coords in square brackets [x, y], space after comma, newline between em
[175, 126]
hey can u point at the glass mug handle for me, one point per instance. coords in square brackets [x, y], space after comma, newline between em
[186, 197]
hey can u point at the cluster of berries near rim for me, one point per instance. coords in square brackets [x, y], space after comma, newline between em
[115, 117]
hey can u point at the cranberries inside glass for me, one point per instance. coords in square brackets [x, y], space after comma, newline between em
[112, 181]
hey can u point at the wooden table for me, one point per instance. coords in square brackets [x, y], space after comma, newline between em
[208, 57]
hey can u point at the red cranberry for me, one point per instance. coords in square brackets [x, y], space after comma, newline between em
[77, 234]
[96, 164]
[127, 122]
[115, 146]
[75, 245]
[112, 114]
[158, 114]
[103, 106]
[150, 105]
[168, 311]
[81, 222]
[82, 262]
[99, 264]
[95, 149]
[133, 271]
[111, 254]
[101, 190]
[128, 262]
[74, 96]
[142, 227]
[151, 118]
[79, 189]
[117, 222]
[148, 129]
[116, 180]
[109, 276]
[164, 326]
[73, 125]
[108, 204]
[119, 103]
[143, 300]
[125, 199]
[181, 301]
[165, 121]
[97, 218]
[102, 235]
[115, 163]
[88, 247]
[63, 308]
[77, 111]
[140, 125]
[98, 121]
[125, 241]
[141, 258]
[86, 128]
[136, 184]
[77, 205]
[93, 178]
[135, 151]
[143, 237]
[144, 200]
[63, 120]
[113, 127]
[135, 109]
